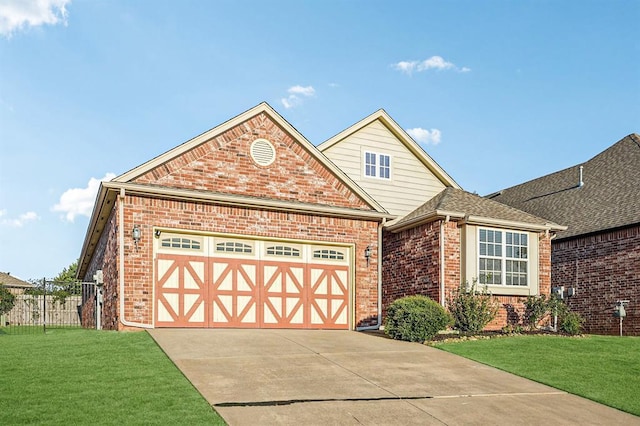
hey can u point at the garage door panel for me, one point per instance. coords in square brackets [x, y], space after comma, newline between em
[283, 294]
[329, 295]
[180, 291]
[234, 293]
[234, 282]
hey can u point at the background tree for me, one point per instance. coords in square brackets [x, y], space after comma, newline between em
[68, 274]
[66, 283]
[7, 300]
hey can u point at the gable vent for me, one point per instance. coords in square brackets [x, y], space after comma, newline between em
[263, 152]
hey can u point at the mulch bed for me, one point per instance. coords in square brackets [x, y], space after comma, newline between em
[450, 337]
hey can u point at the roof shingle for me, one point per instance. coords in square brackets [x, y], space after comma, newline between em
[463, 203]
[609, 198]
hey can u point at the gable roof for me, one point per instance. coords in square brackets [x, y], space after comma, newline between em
[608, 199]
[239, 119]
[8, 280]
[382, 116]
[108, 191]
[472, 209]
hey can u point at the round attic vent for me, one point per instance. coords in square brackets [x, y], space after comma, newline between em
[263, 152]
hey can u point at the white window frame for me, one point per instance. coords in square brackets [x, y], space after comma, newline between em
[506, 248]
[376, 165]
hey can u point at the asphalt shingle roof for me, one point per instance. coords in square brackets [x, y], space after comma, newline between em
[11, 281]
[609, 198]
[459, 201]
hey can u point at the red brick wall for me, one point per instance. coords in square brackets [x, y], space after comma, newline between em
[602, 268]
[411, 265]
[224, 165]
[150, 212]
[452, 259]
[106, 258]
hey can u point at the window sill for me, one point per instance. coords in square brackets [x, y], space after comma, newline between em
[503, 290]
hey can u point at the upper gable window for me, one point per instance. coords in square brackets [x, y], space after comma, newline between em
[377, 165]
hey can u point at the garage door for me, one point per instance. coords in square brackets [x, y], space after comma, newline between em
[210, 281]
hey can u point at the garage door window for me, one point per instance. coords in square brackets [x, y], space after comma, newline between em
[181, 243]
[233, 247]
[286, 251]
[328, 254]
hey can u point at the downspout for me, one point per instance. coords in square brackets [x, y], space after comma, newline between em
[442, 260]
[121, 269]
[379, 266]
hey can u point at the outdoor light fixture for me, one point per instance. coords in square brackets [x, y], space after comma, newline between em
[136, 234]
[157, 233]
[367, 254]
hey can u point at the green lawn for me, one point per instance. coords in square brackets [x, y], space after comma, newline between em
[82, 376]
[602, 368]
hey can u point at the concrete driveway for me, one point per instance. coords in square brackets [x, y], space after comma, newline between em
[309, 377]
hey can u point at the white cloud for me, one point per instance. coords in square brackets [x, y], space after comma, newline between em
[300, 90]
[296, 95]
[20, 221]
[425, 136]
[18, 14]
[79, 201]
[432, 63]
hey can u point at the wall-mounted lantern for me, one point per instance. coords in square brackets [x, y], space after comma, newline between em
[136, 234]
[367, 254]
[157, 233]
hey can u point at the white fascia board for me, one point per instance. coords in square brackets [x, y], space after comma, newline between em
[99, 216]
[478, 220]
[426, 218]
[245, 201]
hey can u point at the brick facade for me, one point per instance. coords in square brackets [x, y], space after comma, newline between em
[105, 258]
[198, 217]
[224, 165]
[602, 268]
[411, 265]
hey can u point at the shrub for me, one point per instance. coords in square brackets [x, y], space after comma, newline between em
[415, 319]
[535, 308]
[471, 309]
[571, 323]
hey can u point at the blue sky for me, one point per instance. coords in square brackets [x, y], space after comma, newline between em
[497, 92]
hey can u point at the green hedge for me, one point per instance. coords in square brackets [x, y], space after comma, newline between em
[415, 319]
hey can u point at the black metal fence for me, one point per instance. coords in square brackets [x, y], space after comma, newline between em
[47, 305]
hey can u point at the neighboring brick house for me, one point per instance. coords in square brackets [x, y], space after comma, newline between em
[250, 225]
[597, 258]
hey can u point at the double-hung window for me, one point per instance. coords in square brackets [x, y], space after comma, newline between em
[377, 165]
[503, 257]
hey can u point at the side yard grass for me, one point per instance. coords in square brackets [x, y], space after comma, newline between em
[605, 369]
[82, 376]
